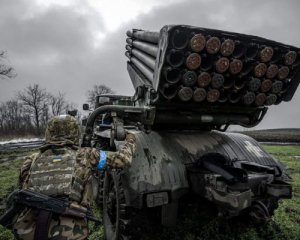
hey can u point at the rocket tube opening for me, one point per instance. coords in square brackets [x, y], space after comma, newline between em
[179, 39]
[189, 78]
[213, 95]
[290, 57]
[235, 66]
[222, 65]
[266, 85]
[197, 43]
[248, 98]
[199, 95]
[254, 84]
[193, 61]
[204, 79]
[252, 51]
[217, 80]
[277, 55]
[260, 69]
[271, 99]
[175, 58]
[227, 47]
[185, 94]
[213, 45]
[228, 82]
[172, 75]
[283, 72]
[234, 97]
[277, 87]
[248, 66]
[169, 91]
[272, 71]
[239, 83]
[266, 54]
[260, 99]
[239, 49]
[206, 62]
[223, 96]
[297, 61]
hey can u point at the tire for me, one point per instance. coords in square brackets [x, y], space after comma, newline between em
[100, 188]
[115, 212]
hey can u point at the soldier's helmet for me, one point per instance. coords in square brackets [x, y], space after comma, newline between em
[63, 128]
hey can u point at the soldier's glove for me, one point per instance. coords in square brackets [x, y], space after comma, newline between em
[130, 137]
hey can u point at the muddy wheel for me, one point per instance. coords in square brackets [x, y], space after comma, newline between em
[115, 212]
[100, 188]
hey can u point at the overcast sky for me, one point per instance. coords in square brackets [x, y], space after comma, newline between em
[70, 45]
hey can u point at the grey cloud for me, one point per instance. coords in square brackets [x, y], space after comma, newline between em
[55, 47]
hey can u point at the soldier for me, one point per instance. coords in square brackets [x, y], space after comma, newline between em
[61, 169]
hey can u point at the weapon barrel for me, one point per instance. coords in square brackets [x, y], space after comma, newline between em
[260, 99]
[141, 66]
[149, 48]
[228, 83]
[252, 50]
[277, 87]
[271, 99]
[223, 96]
[189, 78]
[175, 58]
[179, 39]
[239, 49]
[172, 75]
[185, 94]
[206, 62]
[234, 97]
[248, 98]
[217, 80]
[145, 58]
[213, 95]
[169, 91]
[204, 79]
[266, 54]
[147, 36]
[266, 85]
[239, 83]
[199, 95]
[254, 84]
[137, 78]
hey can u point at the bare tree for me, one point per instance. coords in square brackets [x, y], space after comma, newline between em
[58, 104]
[14, 120]
[34, 100]
[6, 71]
[96, 91]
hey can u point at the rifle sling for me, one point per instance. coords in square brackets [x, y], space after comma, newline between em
[42, 225]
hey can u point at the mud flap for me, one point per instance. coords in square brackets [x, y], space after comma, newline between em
[233, 202]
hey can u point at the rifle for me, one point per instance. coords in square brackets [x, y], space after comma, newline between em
[21, 199]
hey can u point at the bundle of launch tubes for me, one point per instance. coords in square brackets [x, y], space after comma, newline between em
[210, 66]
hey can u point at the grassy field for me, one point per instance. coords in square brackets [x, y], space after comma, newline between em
[275, 135]
[196, 224]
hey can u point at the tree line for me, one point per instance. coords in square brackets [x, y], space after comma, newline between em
[31, 109]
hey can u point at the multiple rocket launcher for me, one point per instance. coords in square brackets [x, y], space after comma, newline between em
[198, 65]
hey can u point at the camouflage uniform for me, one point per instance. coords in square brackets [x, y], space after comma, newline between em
[61, 169]
[123, 157]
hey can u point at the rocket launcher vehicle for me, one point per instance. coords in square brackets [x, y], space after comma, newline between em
[196, 77]
[189, 83]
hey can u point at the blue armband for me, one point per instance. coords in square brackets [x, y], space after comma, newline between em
[102, 160]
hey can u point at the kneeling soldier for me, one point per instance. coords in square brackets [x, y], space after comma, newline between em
[62, 170]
